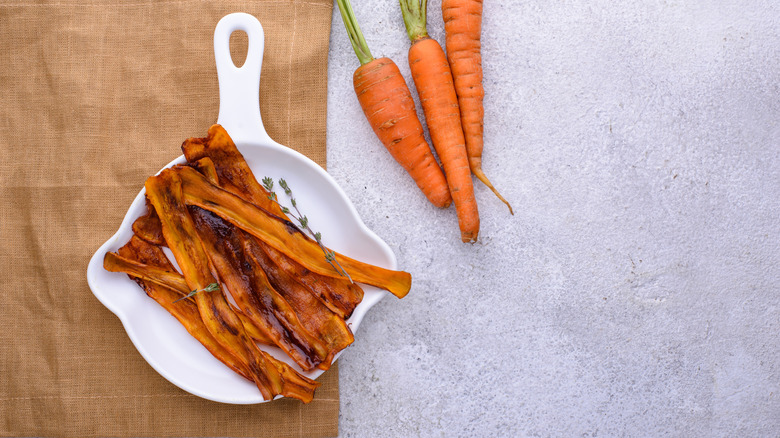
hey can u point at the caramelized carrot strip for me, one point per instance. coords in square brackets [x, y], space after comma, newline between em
[217, 157]
[207, 168]
[295, 385]
[337, 294]
[230, 166]
[253, 295]
[185, 311]
[255, 333]
[148, 226]
[282, 235]
[171, 280]
[165, 193]
[165, 277]
[315, 317]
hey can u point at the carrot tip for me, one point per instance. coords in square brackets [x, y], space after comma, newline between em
[468, 238]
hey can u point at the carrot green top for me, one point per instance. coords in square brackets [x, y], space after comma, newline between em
[415, 12]
[353, 30]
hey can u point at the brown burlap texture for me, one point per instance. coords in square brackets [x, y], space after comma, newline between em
[94, 97]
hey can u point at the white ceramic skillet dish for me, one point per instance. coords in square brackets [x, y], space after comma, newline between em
[157, 335]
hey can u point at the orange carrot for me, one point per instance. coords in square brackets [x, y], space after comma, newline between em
[463, 29]
[433, 79]
[389, 108]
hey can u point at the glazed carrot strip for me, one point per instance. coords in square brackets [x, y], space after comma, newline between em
[283, 235]
[229, 165]
[171, 280]
[206, 166]
[337, 294]
[218, 158]
[165, 193]
[253, 295]
[315, 317]
[148, 226]
[185, 311]
[165, 277]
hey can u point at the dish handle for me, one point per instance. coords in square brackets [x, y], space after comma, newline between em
[239, 87]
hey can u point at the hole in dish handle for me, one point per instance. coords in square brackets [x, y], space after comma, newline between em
[239, 88]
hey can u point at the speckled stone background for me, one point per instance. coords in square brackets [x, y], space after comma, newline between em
[636, 291]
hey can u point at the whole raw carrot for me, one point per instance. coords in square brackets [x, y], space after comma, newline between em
[433, 79]
[463, 30]
[389, 108]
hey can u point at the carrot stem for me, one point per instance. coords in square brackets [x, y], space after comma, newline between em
[415, 18]
[359, 44]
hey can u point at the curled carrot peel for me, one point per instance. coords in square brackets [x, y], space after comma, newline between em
[389, 109]
[463, 32]
[218, 159]
[433, 80]
[166, 195]
[206, 166]
[282, 235]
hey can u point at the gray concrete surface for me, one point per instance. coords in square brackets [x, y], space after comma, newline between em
[635, 291]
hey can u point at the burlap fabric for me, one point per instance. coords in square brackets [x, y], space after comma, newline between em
[94, 97]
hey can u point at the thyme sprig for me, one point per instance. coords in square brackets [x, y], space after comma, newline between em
[213, 287]
[330, 256]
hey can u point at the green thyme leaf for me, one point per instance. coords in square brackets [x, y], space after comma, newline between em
[213, 287]
[268, 183]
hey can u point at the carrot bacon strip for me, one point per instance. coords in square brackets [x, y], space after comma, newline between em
[165, 277]
[283, 235]
[337, 294]
[229, 165]
[207, 168]
[217, 157]
[295, 385]
[315, 317]
[165, 193]
[171, 280]
[148, 226]
[185, 311]
[252, 293]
